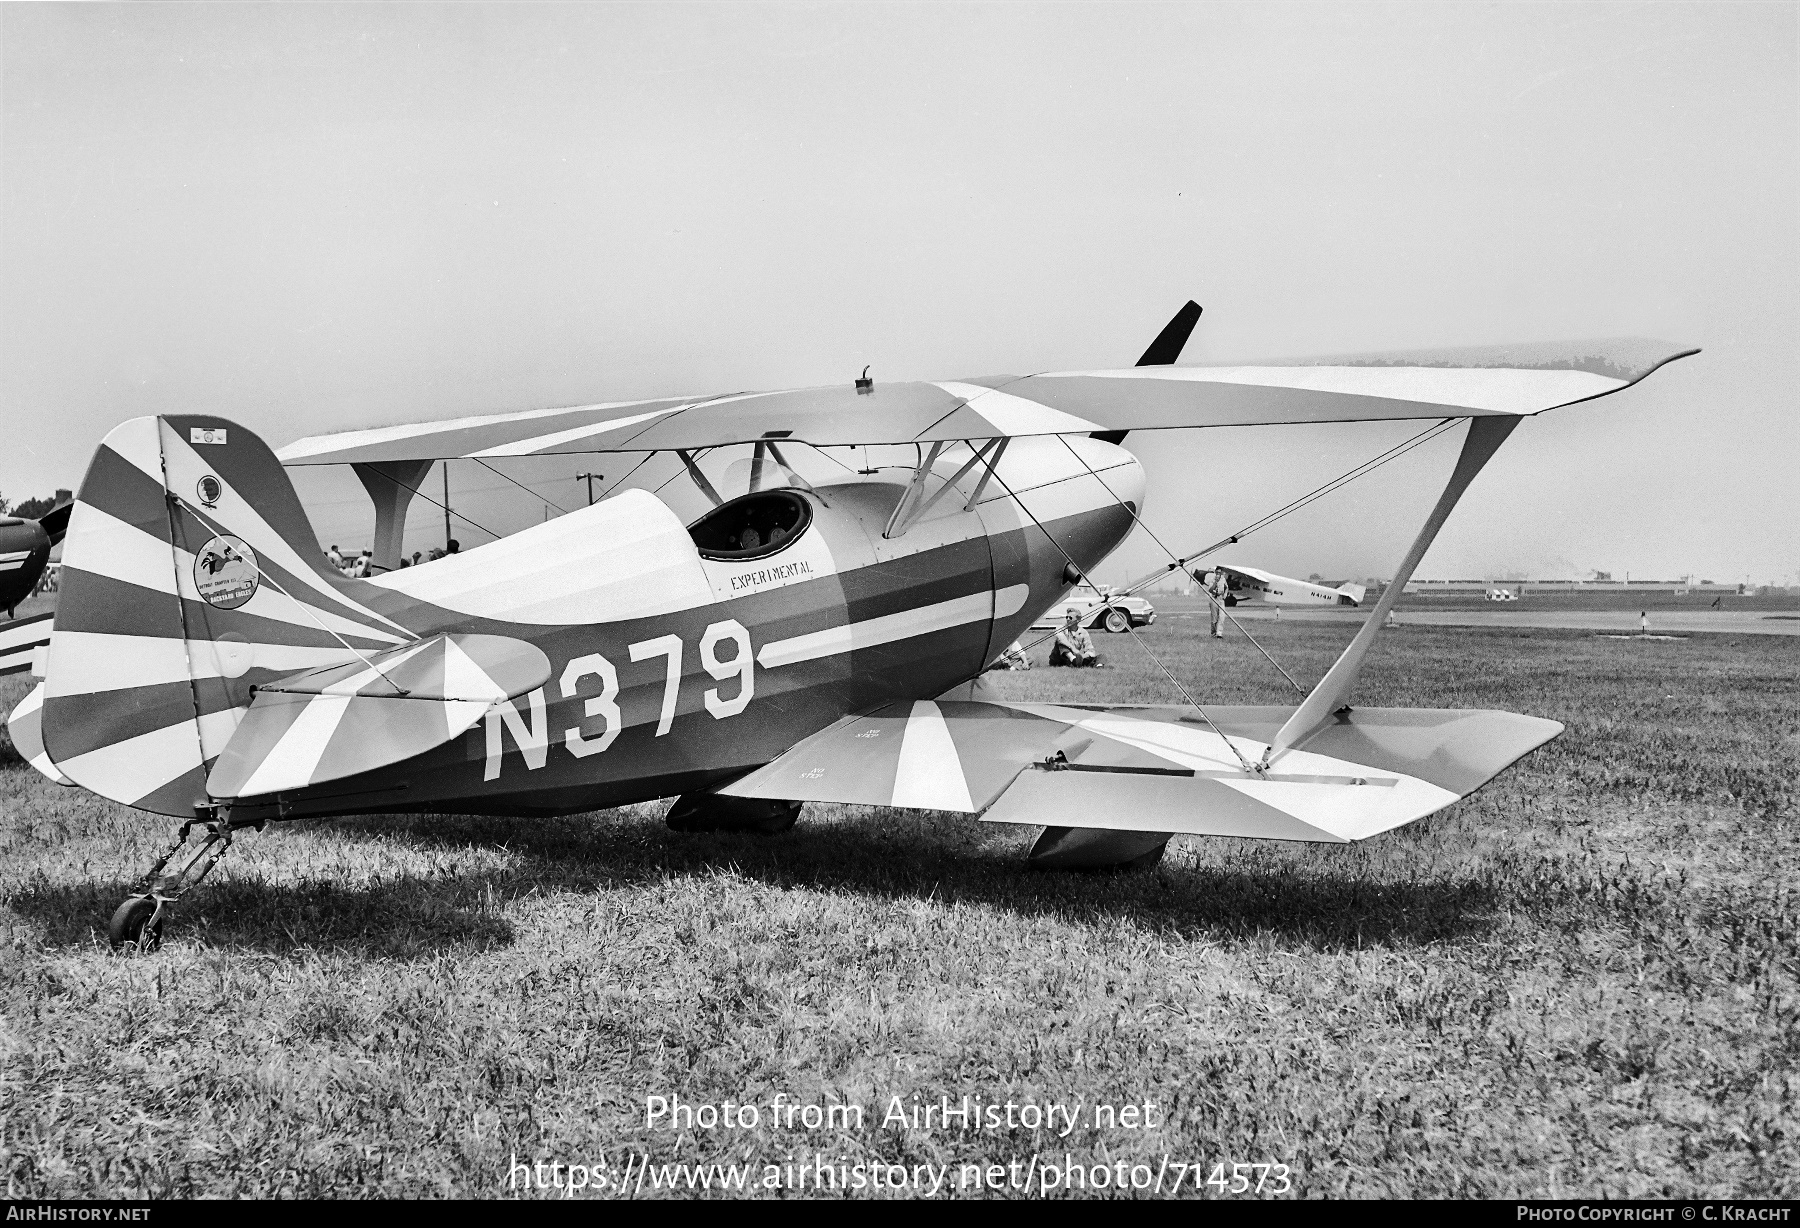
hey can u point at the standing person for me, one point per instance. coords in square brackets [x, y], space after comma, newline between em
[336, 557]
[1216, 588]
[1643, 622]
[1074, 647]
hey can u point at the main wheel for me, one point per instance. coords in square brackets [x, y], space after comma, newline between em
[1118, 622]
[782, 817]
[1104, 850]
[696, 812]
[130, 924]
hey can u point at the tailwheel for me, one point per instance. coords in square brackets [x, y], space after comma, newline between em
[138, 921]
[711, 812]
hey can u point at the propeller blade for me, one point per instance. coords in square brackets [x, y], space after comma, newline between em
[1173, 338]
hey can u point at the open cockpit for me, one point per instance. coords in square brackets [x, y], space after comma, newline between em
[752, 526]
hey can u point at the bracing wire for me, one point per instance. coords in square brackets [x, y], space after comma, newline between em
[1138, 520]
[1367, 467]
[1250, 769]
[648, 457]
[445, 506]
[679, 473]
[1265, 652]
[1363, 470]
[834, 460]
[515, 481]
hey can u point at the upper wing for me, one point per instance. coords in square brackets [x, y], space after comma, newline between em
[1460, 383]
[1159, 769]
[1248, 573]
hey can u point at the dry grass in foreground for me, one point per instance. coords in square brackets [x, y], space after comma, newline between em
[1580, 982]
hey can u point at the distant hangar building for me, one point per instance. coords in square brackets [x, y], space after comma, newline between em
[1518, 588]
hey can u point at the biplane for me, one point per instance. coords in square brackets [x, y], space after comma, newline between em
[799, 641]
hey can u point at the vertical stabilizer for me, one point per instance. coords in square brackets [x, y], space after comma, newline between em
[190, 573]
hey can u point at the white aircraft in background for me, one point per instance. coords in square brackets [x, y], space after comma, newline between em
[1249, 584]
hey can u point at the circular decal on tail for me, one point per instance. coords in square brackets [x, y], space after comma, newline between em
[225, 572]
[209, 489]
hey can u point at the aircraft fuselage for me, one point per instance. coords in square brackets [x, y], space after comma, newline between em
[841, 620]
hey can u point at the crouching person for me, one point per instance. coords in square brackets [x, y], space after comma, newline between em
[1074, 647]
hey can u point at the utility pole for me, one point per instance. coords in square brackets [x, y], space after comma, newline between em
[446, 506]
[590, 479]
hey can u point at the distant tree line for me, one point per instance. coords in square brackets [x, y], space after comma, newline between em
[34, 509]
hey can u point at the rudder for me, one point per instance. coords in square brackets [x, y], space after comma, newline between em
[190, 574]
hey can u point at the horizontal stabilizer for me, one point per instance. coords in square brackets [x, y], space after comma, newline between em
[480, 667]
[20, 639]
[1153, 768]
[328, 724]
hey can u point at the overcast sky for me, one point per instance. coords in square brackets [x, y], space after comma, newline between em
[310, 217]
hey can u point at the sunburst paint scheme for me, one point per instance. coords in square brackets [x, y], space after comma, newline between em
[593, 660]
[204, 656]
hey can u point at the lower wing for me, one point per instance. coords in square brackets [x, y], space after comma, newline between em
[1154, 769]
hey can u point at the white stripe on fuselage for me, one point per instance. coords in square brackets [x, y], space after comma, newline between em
[871, 632]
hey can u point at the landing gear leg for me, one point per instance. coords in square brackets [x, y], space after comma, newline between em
[1087, 848]
[138, 921]
[711, 812]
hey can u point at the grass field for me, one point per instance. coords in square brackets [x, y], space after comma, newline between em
[1582, 981]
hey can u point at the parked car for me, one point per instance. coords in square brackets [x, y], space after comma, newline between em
[1100, 608]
